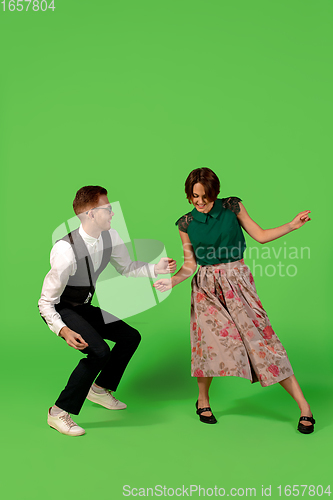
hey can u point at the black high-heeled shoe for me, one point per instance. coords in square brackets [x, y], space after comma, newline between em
[306, 429]
[204, 418]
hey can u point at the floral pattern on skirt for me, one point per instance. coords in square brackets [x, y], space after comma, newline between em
[231, 334]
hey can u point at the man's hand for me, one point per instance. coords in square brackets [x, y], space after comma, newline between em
[165, 266]
[72, 338]
[163, 285]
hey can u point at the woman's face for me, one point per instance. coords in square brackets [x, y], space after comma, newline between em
[199, 199]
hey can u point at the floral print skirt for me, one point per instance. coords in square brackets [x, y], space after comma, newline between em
[231, 334]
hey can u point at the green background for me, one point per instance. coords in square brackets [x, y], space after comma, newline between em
[133, 96]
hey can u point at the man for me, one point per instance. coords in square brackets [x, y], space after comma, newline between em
[65, 305]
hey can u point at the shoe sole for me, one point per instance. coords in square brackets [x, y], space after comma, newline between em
[66, 433]
[104, 406]
[205, 422]
[305, 432]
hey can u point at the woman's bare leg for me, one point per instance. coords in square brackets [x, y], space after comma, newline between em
[203, 399]
[291, 385]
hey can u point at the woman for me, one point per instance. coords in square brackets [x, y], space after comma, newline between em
[231, 334]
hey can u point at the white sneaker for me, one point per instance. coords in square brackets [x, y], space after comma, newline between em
[106, 399]
[64, 424]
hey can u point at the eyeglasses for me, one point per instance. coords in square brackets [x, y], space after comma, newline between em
[109, 209]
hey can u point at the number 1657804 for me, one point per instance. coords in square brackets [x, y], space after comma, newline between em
[25, 5]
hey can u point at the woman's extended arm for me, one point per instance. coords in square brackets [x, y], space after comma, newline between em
[188, 268]
[265, 235]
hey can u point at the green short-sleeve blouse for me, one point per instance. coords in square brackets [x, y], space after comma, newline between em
[216, 236]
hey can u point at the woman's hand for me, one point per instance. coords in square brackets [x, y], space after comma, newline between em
[163, 285]
[165, 266]
[300, 219]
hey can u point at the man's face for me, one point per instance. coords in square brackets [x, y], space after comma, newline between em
[102, 213]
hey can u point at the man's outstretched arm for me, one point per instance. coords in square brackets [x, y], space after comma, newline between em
[121, 260]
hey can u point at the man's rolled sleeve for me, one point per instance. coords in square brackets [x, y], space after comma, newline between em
[63, 265]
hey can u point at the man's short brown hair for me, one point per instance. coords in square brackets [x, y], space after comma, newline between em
[87, 197]
[207, 178]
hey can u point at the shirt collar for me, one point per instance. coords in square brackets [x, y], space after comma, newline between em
[215, 211]
[90, 240]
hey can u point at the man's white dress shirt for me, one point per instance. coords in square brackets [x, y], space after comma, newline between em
[63, 265]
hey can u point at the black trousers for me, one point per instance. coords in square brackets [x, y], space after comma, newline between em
[107, 365]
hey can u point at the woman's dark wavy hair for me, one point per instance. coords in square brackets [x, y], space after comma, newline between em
[207, 178]
[87, 197]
